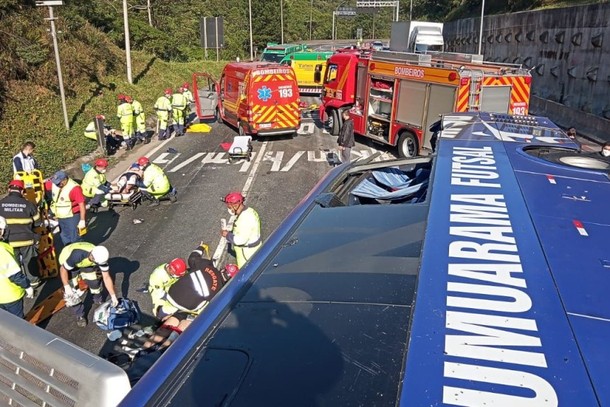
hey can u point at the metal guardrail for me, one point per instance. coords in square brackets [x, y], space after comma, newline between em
[37, 368]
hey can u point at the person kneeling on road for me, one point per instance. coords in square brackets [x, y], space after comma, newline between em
[95, 186]
[154, 184]
[14, 285]
[159, 282]
[84, 260]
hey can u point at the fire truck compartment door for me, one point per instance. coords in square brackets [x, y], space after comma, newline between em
[495, 99]
[441, 100]
[411, 103]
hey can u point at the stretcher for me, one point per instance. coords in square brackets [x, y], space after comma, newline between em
[241, 148]
[132, 198]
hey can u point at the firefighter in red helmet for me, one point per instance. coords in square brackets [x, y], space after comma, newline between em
[161, 279]
[244, 233]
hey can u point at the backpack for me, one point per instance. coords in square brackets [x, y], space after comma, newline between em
[123, 315]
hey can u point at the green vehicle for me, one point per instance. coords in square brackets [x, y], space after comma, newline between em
[276, 52]
[309, 68]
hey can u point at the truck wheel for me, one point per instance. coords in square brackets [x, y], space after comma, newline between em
[407, 145]
[333, 121]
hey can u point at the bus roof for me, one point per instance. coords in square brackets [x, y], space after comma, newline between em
[308, 56]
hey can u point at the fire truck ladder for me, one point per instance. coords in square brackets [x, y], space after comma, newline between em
[474, 100]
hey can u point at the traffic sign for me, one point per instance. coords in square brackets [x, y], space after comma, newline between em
[49, 3]
[346, 11]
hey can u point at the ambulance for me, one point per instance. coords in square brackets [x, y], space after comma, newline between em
[395, 97]
[258, 98]
[309, 68]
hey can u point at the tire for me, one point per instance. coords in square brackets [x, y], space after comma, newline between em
[334, 123]
[407, 145]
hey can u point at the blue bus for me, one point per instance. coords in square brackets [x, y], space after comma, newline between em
[474, 276]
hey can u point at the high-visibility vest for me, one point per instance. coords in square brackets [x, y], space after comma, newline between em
[9, 291]
[91, 182]
[155, 180]
[247, 229]
[138, 112]
[188, 95]
[125, 111]
[69, 249]
[163, 106]
[178, 101]
[90, 131]
[62, 205]
[159, 283]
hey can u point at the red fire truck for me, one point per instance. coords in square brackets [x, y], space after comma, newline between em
[394, 97]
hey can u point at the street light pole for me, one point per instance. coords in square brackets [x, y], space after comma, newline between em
[481, 28]
[58, 63]
[333, 33]
[150, 14]
[127, 45]
[310, 19]
[282, 18]
[251, 42]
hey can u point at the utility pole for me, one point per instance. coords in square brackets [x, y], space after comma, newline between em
[282, 18]
[60, 79]
[310, 19]
[251, 43]
[150, 13]
[481, 28]
[127, 45]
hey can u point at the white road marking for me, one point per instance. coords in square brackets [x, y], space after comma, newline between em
[276, 160]
[187, 162]
[292, 161]
[222, 245]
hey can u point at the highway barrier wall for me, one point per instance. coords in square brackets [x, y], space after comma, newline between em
[568, 52]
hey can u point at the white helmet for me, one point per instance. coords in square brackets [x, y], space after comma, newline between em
[100, 254]
[2, 223]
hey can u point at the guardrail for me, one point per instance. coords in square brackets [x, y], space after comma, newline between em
[37, 368]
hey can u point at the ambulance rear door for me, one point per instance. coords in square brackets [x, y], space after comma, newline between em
[206, 95]
[275, 100]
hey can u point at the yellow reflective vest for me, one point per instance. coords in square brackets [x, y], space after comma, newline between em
[246, 235]
[188, 95]
[139, 115]
[158, 283]
[125, 112]
[69, 249]
[155, 180]
[90, 131]
[61, 205]
[9, 291]
[91, 182]
[178, 101]
[163, 106]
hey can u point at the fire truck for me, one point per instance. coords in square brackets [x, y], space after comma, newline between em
[394, 97]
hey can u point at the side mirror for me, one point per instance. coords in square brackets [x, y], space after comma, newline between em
[317, 77]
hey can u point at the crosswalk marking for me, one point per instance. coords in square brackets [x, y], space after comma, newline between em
[187, 162]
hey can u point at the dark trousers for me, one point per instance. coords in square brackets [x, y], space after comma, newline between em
[69, 230]
[346, 154]
[29, 260]
[15, 307]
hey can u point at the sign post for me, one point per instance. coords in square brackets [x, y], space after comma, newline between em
[60, 79]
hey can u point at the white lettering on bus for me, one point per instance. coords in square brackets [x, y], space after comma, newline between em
[453, 125]
[487, 297]
[473, 174]
[410, 72]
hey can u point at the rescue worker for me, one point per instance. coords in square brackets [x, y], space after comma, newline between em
[179, 104]
[140, 120]
[95, 186]
[163, 107]
[68, 207]
[160, 281]
[154, 184]
[14, 285]
[83, 260]
[113, 141]
[245, 234]
[125, 114]
[22, 216]
[24, 160]
[188, 95]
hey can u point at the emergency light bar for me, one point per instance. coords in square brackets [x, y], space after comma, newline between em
[458, 57]
[401, 56]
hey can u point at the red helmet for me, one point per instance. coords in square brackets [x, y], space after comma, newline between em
[177, 267]
[234, 198]
[16, 183]
[101, 162]
[142, 161]
[121, 96]
[185, 85]
[168, 91]
[128, 99]
[231, 270]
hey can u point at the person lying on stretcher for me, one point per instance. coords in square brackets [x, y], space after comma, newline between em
[127, 181]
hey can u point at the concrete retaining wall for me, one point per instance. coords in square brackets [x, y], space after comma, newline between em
[568, 51]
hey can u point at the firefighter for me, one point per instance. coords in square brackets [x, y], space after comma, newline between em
[179, 104]
[84, 260]
[24, 160]
[140, 120]
[67, 206]
[95, 186]
[113, 141]
[13, 283]
[189, 102]
[22, 217]
[245, 234]
[125, 114]
[154, 184]
[163, 107]
[159, 283]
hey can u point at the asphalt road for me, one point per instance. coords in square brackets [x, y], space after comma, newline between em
[280, 174]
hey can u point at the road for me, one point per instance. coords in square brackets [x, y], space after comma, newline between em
[280, 173]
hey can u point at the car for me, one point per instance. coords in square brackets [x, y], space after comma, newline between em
[377, 45]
